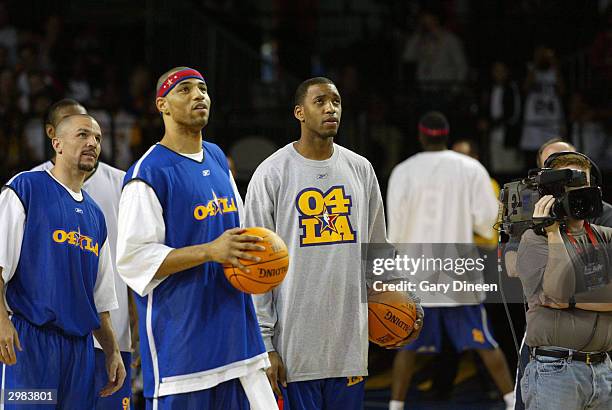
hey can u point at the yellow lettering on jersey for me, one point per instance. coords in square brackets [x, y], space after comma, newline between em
[214, 207]
[325, 217]
[339, 204]
[75, 239]
[311, 203]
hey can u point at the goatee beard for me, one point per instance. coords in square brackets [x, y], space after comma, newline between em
[86, 167]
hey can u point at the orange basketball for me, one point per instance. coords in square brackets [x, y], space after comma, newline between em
[391, 317]
[266, 274]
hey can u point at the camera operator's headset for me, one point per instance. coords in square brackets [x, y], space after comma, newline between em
[595, 181]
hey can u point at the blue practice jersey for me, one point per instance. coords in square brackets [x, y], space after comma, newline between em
[194, 322]
[54, 281]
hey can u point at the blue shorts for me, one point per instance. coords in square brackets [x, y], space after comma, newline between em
[52, 360]
[225, 396]
[344, 393]
[122, 398]
[466, 326]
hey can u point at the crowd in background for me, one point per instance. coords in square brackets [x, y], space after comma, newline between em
[506, 94]
[508, 106]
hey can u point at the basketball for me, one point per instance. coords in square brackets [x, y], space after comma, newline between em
[266, 274]
[391, 317]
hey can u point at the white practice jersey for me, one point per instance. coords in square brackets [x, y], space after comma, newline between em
[440, 197]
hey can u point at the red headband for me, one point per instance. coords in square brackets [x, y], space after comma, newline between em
[175, 78]
[430, 132]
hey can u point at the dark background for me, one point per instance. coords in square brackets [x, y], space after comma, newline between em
[109, 54]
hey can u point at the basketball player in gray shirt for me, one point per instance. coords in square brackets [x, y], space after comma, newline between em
[324, 201]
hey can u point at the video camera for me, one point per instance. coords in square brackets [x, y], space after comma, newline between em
[519, 198]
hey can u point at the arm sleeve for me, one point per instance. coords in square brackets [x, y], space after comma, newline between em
[395, 212]
[12, 225]
[140, 246]
[531, 261]
[239, 202]
[259, 211]
[484, 204]
[105, 297]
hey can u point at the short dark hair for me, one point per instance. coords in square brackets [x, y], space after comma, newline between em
[546, 144]
[434, 121]
[52, 110]
[302, 89]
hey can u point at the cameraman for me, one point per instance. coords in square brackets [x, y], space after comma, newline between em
[569, 337]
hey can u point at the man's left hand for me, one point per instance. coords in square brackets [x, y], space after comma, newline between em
[116, 374]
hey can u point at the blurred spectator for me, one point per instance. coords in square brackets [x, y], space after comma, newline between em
[385, 139]
[590, 129]
[601, 49]
[270, 69]
[78, 87]
[501, 109]
[470, 148]
[140, 91]
[438, 53]
[34, 139]
[52, 45]
[9, 94]
[27, 64]
[8, 34]
[544, 87]
[4, 62]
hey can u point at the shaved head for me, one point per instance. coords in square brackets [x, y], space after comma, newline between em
[66, 123]
[550, 148]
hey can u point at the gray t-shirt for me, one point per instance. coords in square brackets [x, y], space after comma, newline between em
[324, 210]
[569, 328]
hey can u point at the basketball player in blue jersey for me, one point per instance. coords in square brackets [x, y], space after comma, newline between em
[178, 222]
[104, 184]
[57, 276]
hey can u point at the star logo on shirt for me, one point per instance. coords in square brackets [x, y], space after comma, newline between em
[215, 203]
[328, 222]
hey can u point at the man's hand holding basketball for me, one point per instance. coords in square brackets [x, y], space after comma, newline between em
[232, 246]
[276, 373]
[414, 335]
[8, 340]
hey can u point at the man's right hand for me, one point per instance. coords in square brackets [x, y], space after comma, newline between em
[276, 372]
[8, 340]
[232, 246]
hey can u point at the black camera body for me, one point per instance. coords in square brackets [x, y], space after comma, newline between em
[519, 198]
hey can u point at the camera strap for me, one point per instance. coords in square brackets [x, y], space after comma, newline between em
[593, 268]
[590, 234]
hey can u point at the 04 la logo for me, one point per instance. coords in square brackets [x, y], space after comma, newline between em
[324, 216]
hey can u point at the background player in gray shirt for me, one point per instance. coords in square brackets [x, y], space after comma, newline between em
[324, 201]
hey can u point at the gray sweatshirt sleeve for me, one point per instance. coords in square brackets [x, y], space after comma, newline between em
[259, 211]
[378, 235]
